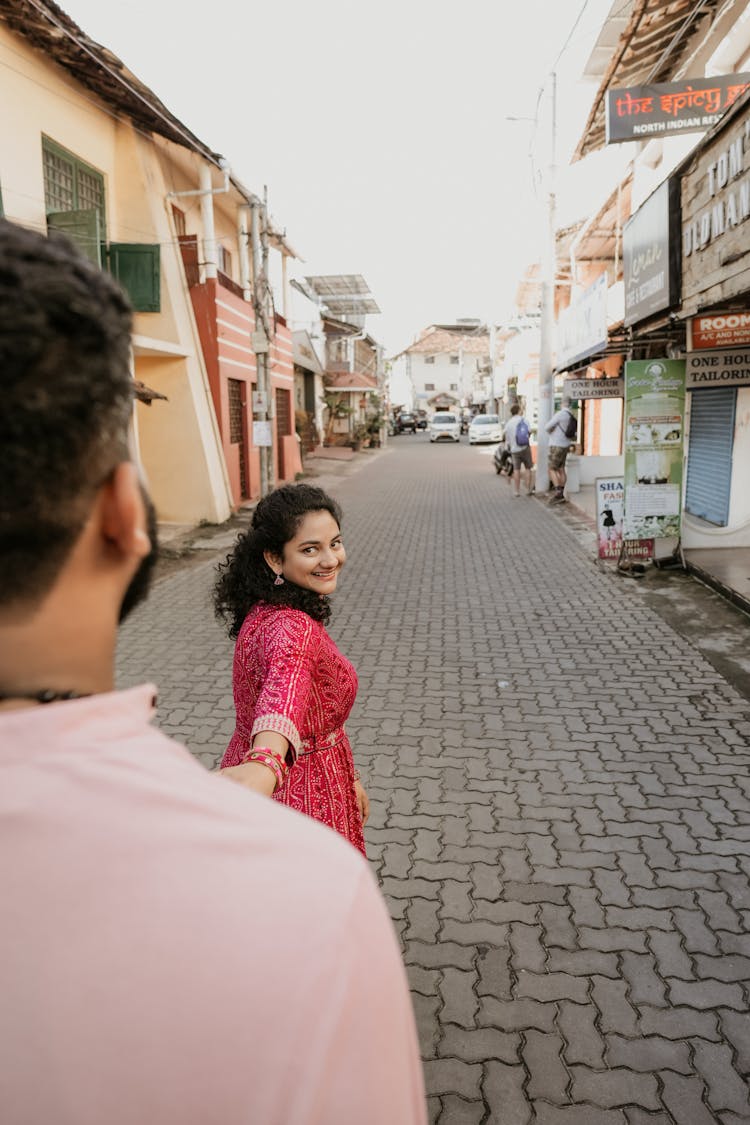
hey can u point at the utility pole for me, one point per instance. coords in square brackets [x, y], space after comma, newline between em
[547, 319]
[262, 405]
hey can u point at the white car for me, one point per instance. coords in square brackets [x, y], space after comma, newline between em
[445, 427]
[485, 427]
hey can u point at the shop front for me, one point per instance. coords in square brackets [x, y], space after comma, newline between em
[716, 310]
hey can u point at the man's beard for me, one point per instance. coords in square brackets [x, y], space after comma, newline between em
[140, 583]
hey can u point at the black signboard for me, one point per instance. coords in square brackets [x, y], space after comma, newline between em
[689, 106]
[651, 254]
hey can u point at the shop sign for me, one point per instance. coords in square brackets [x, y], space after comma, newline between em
[582, 327]
[727, 192]
[594, 388]
[651, 254]
[719, 330]
[718, 369]
[689, 106]
[654, 430]
[610, 504]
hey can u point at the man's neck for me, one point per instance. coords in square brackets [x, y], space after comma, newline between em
[56, 649]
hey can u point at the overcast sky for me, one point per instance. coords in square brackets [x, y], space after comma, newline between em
[380, 129]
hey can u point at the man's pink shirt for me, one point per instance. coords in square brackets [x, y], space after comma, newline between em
[175, 949]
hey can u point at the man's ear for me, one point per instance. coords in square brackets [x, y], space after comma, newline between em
[123, 512]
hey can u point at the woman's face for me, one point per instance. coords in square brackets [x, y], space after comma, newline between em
[315, 556]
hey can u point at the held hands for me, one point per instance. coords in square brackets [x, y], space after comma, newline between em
[253, 776]
[363, 802]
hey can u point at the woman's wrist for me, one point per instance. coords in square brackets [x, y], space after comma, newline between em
[271, 760]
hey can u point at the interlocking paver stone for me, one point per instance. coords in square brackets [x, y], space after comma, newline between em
[566, 855]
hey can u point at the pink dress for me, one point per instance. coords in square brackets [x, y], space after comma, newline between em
[289, 677]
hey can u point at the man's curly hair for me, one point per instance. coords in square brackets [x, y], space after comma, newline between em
[67, 394]
[245, 578]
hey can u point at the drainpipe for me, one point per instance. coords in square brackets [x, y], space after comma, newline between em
[207, 218]
[243, 238]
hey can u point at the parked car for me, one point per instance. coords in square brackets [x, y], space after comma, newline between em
[406, 423]
[445, 427]
[485, 427]
[421, 419]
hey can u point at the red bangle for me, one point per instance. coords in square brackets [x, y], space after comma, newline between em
[271, 759]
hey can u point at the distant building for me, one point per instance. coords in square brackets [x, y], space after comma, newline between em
[447, 365]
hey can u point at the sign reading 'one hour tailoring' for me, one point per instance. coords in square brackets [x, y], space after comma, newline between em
[594, 388]
[718, 369]
[689, 106]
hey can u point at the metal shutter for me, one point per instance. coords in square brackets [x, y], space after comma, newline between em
[709, 467]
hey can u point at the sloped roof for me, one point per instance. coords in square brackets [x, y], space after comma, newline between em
[654, 44]
[441, 340]
[50, 30]
[350, 381]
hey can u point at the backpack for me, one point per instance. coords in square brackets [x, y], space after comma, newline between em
[569, 428]
[522, 432]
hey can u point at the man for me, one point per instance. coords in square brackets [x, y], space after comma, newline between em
[562, 428]
[517, 436]
[174, 948]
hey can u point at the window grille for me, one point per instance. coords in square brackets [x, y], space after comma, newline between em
[69, 184]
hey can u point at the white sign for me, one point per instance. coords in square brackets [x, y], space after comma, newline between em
[728, 191]
[260, 402]
[594, 388]
[262, 434]
[718, 369]
[582, 327]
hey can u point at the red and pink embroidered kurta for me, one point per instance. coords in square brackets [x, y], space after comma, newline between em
[289, 677]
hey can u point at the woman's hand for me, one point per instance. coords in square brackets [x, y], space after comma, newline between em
[253, 775]
[363, 802]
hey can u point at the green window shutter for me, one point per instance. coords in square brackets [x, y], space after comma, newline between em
[82, 228]
[136, 265]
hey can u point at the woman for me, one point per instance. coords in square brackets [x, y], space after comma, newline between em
[293, 690]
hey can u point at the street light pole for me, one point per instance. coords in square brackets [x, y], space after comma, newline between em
[547, 319]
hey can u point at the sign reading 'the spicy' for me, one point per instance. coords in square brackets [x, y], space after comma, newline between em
[692, 105]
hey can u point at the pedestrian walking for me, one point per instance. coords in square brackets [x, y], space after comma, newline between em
[174, 949]
[293, 689]
[562, 428]
[518, 437]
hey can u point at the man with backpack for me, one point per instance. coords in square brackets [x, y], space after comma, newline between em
[563, 430]
[517, 437]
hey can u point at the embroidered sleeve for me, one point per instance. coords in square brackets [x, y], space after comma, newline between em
[288, 646]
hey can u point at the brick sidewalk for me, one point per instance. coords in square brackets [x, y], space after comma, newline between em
[561, 801]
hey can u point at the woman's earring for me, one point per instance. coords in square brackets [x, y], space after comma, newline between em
[279, 580]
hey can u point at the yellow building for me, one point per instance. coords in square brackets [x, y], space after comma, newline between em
[87, 149]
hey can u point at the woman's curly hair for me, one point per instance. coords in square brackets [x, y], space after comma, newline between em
[245, 577]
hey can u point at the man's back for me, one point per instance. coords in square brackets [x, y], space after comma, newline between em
[177, 950]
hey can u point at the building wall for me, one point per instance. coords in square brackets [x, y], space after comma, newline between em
[446, 377]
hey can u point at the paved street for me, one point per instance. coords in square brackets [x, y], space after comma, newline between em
[560, 792]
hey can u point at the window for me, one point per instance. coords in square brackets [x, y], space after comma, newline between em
[74, 199]
[429, 386]
[75, 205]
[223, 259]
[454, 359]
[179, 221]
[454, 386]
[429, 359]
